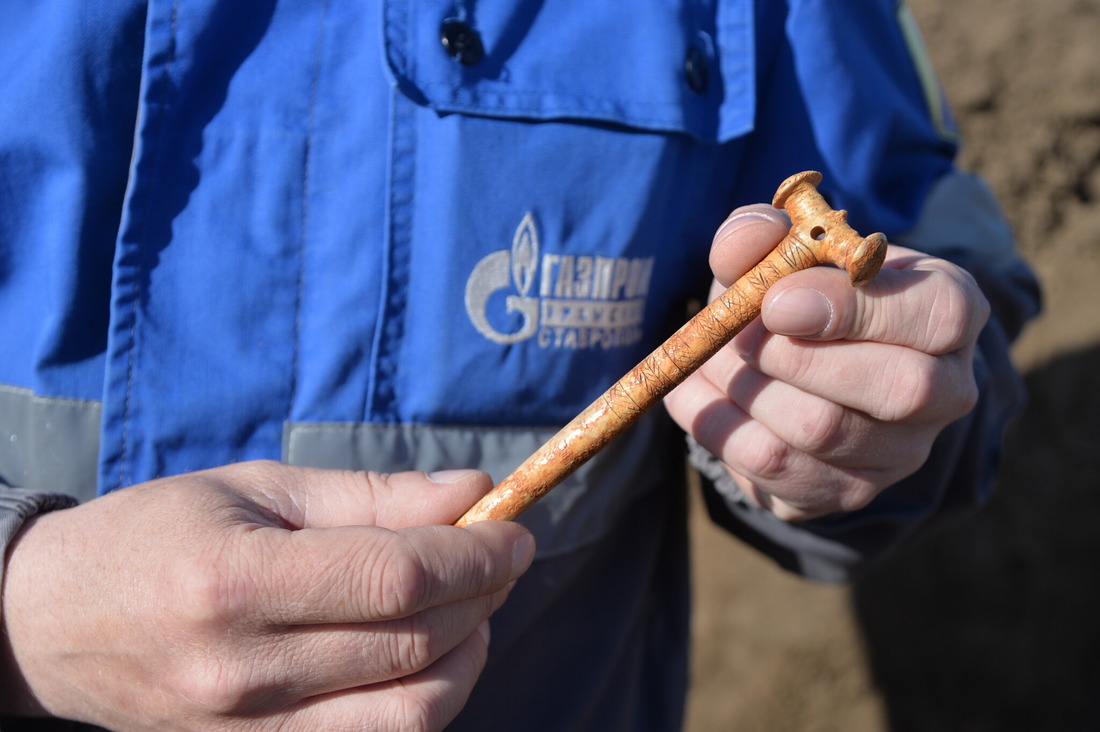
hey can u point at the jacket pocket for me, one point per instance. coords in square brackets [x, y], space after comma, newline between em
[673, 67]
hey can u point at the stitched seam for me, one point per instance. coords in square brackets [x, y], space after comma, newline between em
[140, 261]
[674, 117]
[533, 100]
[389, 327]
[307, 162]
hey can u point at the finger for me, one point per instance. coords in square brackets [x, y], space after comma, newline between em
[428, 700]
[317, 659]
[732, 394]
[916, 301]
[765, 466]
[746, 237]
[889, 383]
[312, 497]
[353, 574]
[827, 431]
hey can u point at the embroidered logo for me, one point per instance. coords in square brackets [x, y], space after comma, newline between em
[581, 301]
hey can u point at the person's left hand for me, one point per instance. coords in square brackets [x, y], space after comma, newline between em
[839, 392]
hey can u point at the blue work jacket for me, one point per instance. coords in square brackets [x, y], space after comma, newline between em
[420, 234]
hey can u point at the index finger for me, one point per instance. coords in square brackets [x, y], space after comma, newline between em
[357, 574]
[916, 301]
[744, 238]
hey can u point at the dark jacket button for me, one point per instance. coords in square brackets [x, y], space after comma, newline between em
[695, 69]
[461, 41]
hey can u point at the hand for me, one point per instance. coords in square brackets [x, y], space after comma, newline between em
[260, 595]
[839, 392]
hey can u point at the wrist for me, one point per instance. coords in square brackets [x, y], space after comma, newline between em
[16, 697]
[19, 512]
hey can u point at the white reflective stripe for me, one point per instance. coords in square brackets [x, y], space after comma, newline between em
[938, 108]
[48, 444]
[576, 513]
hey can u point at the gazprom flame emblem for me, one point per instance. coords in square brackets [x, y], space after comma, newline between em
[491, 275]
[525, 255]
[582, 301]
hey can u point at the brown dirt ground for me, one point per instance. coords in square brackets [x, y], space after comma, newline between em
[991, 623]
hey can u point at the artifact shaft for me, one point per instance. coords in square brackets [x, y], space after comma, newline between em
[818, 235]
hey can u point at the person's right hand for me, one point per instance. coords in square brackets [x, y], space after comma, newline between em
[259, 596]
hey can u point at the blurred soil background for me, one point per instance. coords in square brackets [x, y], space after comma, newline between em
[993, 622]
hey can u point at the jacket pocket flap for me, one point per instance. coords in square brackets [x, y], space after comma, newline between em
[646, 66]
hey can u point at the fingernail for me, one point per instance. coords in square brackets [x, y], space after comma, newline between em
[449, 476]
[523, 553]
[742, 221]
[799, 311]
[483, 631]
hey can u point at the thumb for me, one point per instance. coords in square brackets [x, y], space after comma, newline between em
[916, 301]
[809, 304]
[319, 498]
[419, 499]
[746, 237]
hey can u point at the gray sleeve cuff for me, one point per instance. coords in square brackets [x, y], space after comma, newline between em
[16, 506]
[838, 547]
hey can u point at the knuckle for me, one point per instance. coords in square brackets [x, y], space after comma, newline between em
[485, 564]
[212, 593]
[367, 481]
[412, 715]
[919, 394]
[404, 710]
[931, 388]
[821, 429]
[410, 649]
[213, 688]
[402, 580]
[956, 314]
[765, 458]
[857, 496]
[909, 389]
[213, 613]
